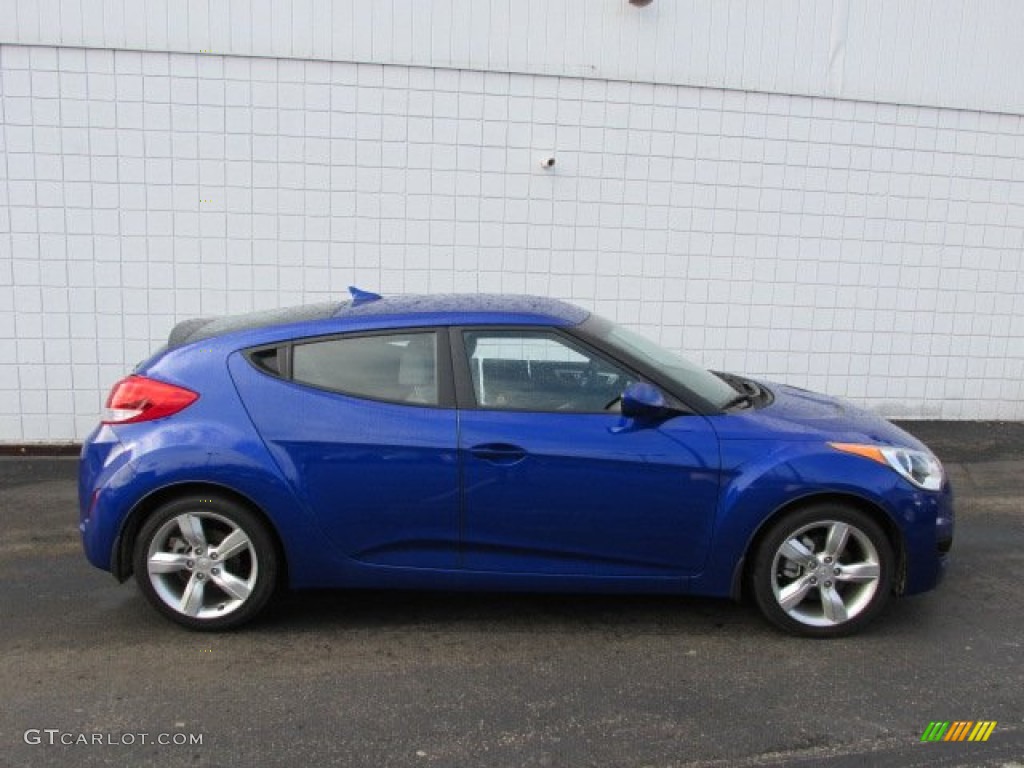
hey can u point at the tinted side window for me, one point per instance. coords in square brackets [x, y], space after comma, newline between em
[399, 367]
[530, 371]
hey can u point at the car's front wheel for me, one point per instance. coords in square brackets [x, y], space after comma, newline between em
[823, 571]
[206, 562]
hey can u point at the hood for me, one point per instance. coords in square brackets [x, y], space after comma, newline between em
[799, 414]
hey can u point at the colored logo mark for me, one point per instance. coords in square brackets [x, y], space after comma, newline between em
[959, 730]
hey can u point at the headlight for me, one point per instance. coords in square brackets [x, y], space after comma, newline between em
[919, 467]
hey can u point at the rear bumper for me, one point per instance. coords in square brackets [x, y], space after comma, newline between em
[104, 466]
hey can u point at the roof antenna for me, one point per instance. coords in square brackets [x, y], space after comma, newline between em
[360, 296]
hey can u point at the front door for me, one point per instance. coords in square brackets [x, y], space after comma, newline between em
[556, 482]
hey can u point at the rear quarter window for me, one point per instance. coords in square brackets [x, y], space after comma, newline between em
[399, 368]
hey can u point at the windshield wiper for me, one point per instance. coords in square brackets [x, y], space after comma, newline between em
[749, 391]
[741, 399]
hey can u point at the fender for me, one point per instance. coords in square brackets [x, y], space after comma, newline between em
[212, 456]
[760, 475]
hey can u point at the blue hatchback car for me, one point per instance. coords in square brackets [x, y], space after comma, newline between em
[471, 442]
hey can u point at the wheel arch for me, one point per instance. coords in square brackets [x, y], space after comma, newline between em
[741, 575]
[121, 556]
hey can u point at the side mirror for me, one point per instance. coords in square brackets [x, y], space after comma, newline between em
[644, 402]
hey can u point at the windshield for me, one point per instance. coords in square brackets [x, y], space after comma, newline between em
[687, 375]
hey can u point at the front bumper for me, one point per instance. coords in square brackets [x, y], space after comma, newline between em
[929, 540]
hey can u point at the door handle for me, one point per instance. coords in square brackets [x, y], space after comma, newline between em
[499, 453]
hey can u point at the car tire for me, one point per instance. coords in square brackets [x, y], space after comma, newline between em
[206, 562]
[823, 571]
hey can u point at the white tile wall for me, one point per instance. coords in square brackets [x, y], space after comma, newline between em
[963, 54]
[869, 250]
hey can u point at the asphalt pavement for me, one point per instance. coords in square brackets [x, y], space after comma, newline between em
[404, 679]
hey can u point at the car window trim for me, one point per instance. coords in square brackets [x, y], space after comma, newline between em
[446, 399]
[283, 359]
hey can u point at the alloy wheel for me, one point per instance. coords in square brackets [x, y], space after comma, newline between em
[202, 565]
[825, 573]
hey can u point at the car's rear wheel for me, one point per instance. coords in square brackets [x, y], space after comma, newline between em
[823, 571]
[206, 562]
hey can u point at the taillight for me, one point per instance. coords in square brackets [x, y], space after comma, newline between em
[137, 398]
